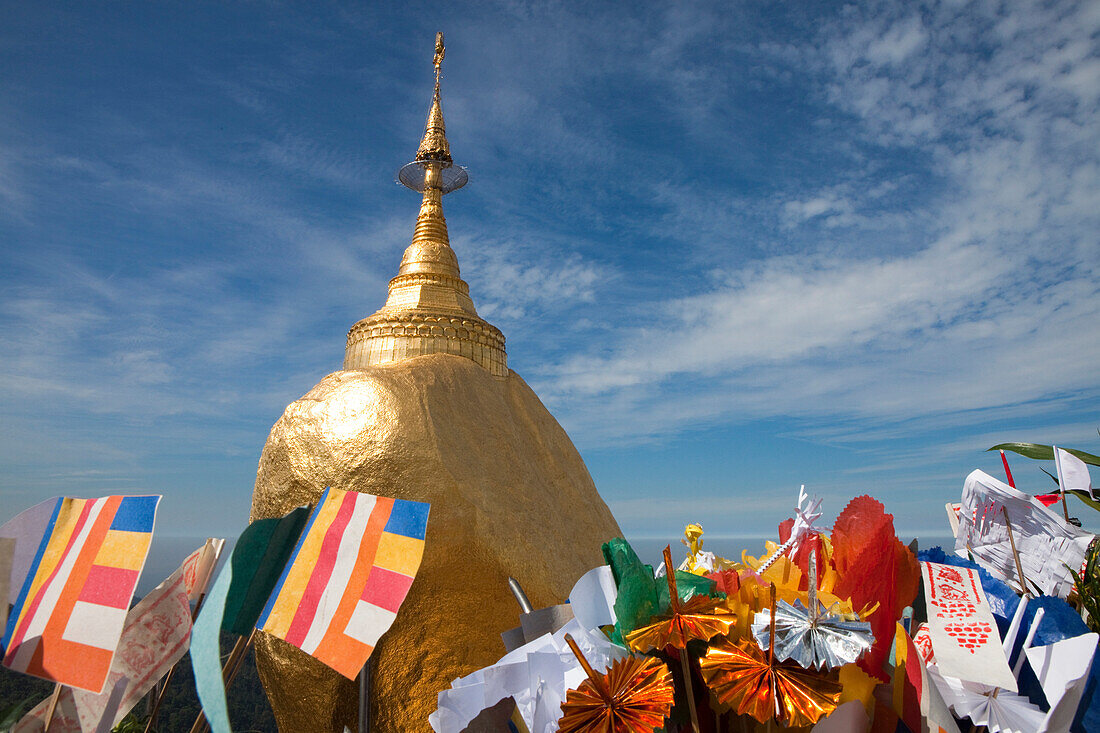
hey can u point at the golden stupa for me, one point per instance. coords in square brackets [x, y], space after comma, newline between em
[426, 408]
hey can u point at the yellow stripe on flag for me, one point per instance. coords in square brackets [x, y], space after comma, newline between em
[901, 651]
[282, 612]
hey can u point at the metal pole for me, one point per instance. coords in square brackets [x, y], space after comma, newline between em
[364, 698]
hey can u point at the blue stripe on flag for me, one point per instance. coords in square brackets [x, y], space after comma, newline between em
[13, 617]
[408, 518]
[293, 556]
[136, 514]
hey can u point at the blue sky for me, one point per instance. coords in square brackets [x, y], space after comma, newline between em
[734, 247]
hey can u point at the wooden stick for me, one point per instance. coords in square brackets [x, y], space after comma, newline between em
[674, 601]
[53, 705]
[1015, 554]
[580, 658]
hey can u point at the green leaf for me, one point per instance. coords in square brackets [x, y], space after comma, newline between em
[1084, 497]
[1041, 452]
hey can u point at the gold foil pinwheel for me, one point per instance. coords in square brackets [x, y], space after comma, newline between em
[742, 677]
[701, 617]
[634, 696]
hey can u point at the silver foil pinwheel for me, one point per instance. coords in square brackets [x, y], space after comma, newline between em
[812, 637]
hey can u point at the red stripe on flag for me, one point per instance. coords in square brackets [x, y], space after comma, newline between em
[109, 586]
[326, 559]
[386, 588]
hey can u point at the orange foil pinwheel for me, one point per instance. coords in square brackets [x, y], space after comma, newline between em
[700, 617]
[749, 681]
[634, 696]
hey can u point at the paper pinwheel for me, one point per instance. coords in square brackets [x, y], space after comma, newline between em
[998, 710]
[742, 677]
[634, 696]
[810, 637]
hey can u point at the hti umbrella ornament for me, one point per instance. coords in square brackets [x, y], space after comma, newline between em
[635, 695]
[745, 679]
[809, 636]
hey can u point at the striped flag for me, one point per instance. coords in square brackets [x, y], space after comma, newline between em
[72, 604]
[347, 577]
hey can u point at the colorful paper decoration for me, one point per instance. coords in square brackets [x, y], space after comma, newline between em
[1048, 546]
[156, 636]
[634, 696]
[964, 635]
[72, 605]
[347, 577]
[747, 680]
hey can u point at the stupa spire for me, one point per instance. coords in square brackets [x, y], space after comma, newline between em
[428, 309]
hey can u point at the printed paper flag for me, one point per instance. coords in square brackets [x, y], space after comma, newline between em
[235, 601]
[348, 576]
[72, 605]
[156, 636]
[964, 635]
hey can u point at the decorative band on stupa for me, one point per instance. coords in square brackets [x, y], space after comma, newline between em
[428, 310]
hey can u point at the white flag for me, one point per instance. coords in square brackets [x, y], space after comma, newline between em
[156, 635]
[1073, 473]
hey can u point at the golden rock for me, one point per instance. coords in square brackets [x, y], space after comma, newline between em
[427, 409]
[510, 495]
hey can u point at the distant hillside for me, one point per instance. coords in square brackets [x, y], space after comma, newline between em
[248, 706]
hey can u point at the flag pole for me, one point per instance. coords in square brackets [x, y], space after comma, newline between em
[1008, 473]
[364, 698]
[685, 668]
[53, 705]
[1015, 554]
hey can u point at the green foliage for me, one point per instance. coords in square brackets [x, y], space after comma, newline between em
[11, 714]
[1041, 452]
[133, 724]
[1088, 587]
[248, 706]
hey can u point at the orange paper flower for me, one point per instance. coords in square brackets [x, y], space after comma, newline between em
[701, 617]
[745, 679]
[634, 696]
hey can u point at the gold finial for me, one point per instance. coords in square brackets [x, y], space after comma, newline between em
[440, 49]
[433, 147]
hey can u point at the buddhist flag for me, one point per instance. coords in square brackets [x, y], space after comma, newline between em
[156, 636]
[347, 577]
[73, 601]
